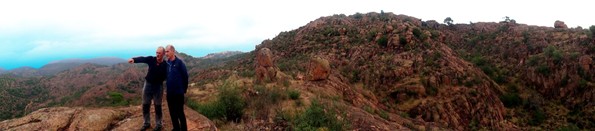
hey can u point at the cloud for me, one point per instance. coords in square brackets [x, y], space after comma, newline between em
[31, 30]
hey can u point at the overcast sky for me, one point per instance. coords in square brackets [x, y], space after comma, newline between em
[33, 33]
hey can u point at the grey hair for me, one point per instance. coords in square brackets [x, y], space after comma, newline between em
[172, 47]
[162, 49]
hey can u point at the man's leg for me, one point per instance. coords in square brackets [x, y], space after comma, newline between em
[172, 112]
[147, 105]
[181, 114]
[157, 100]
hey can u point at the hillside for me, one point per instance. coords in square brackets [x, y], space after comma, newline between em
[407, 73]
[374, 71]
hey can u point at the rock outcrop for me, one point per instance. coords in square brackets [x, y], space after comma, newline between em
[560, 24]
[98, 119]
[265, 69]
[318, 69]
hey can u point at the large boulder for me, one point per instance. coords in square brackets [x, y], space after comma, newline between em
[264, 57]
[560, 24]
[585, 62]
[265, 69]
[318, 69]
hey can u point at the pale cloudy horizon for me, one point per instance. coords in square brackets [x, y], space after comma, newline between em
[33, 33]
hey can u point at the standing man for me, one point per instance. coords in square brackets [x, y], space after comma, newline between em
[153, 88]
[177, 84]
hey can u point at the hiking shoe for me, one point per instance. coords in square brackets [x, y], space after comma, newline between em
[145, 127]
[158, 128]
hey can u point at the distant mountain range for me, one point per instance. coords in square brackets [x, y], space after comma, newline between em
[61, 65]
[223, 54]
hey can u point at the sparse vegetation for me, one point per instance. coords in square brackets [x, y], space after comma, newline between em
[592, 29]
[383, 41]
[511, 100]
[293, 94]
[117, 99]
[229, 105]
[317, 117]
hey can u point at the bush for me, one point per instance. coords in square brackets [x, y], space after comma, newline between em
[117, 99]
[229, 106]
[553, 53]
[417, 33]
[383, 41]
[532, 61]
[543, 69]
[592, 29]
[317, 117]
[358, 15]
[402, 41]
[511, 100]
[293, 94]
[537, 117]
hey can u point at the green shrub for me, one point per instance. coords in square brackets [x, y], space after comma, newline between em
[383, 114]
[417, 33]
[117, 99]
[592, 29]
[383, 41]
[511, 100]
[543, 69]
[402, 41]
[317, 117]
[435, 34]
[247, 73]
[537, 117]
[293, 94]
[229, 106]
[358, 15]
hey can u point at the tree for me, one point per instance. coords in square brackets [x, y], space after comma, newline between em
[448, 21]
[508, 20]
[592, 28]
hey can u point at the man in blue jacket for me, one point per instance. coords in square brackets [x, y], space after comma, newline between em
[177, 84]
[153, 88]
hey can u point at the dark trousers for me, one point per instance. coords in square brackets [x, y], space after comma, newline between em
[175, 103]
[152, 92]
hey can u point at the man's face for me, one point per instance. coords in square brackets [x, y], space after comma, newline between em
[169, 53]
[159, 54]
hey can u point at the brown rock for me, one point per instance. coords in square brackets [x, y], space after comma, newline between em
[560, 24]
[95, 119]
[264, 58]
[318, 69]
[261, 74]
[98, 119]
[585, 62]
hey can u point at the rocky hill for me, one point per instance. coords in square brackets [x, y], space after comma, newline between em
[374, 71]
[407, 73]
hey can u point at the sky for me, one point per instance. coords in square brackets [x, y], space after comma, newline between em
[33, 33]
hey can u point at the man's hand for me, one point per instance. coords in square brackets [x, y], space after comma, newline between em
[130, 60]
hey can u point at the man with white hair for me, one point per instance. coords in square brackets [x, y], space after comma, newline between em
[177, 84]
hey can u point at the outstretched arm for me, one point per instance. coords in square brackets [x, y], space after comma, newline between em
[140, 59]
